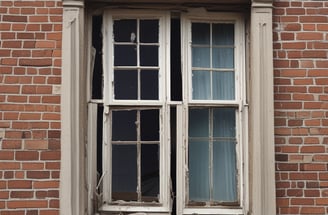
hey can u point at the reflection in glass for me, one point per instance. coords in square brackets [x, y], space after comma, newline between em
[223, 34]
[201, 83]
[198, 122]
[223, 58]
[199, 186]
[224, 85]
[201, 57]
[224, 171]
[200, 33]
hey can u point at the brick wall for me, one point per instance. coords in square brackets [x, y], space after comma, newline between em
[30, 76]
[301, 106]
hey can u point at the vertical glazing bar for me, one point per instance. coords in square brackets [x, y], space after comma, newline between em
[210, 121]
[211, 61]
[138, 157]
[138, 60]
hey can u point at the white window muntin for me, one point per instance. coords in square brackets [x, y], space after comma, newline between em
[163, 59]
[163, 204]
[182, 184]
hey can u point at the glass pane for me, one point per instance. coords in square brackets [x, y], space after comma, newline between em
[125, 30]
[224, 122]
[201, 83]
[149, 31]
[124, 172]
[223, 58]
[199, 171]
[198, 122]
[224, 172]
[201, 57]
[149, 124]
[223, 34]
[125, 55]
[200, 33]
[224, 85]
[125, 84]
[124, 126]
[149, 84]
[149, 55]
[149, 171]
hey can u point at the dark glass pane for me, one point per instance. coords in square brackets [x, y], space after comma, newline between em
[124, 125]
[149, 123]
[199, 186]
[224, 122]
[224, 171]
[125, 55]
[149, 55]
[198, 122]
[124, 172]
[200, 33]
[149, 31]
[223, 34]
[176, 78]
[149, 84]
[125, 84]
[97, 76]
[125, 30]
[149, 171]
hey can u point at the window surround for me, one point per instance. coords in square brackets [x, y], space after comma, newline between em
[73, 187]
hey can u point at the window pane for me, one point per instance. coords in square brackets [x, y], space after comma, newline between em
[224, 122]
[224, 172]
[125, 84]
[200, 33]
[149, 171]
[125, 30]
[199, 171]
[198, 122]
[149, 124]
[125, 55]
[223, 58]
[223, 34]
[124, 172]
[149, 31]
[149, 84]
[201, 85]
[224, 85]
[124, 126]
[201, 57]
[149, 55]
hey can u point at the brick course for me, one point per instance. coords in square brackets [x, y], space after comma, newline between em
[300, 68]
[30, 75]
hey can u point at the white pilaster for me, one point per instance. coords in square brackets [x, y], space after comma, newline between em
[72, 111]
[261, 109]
